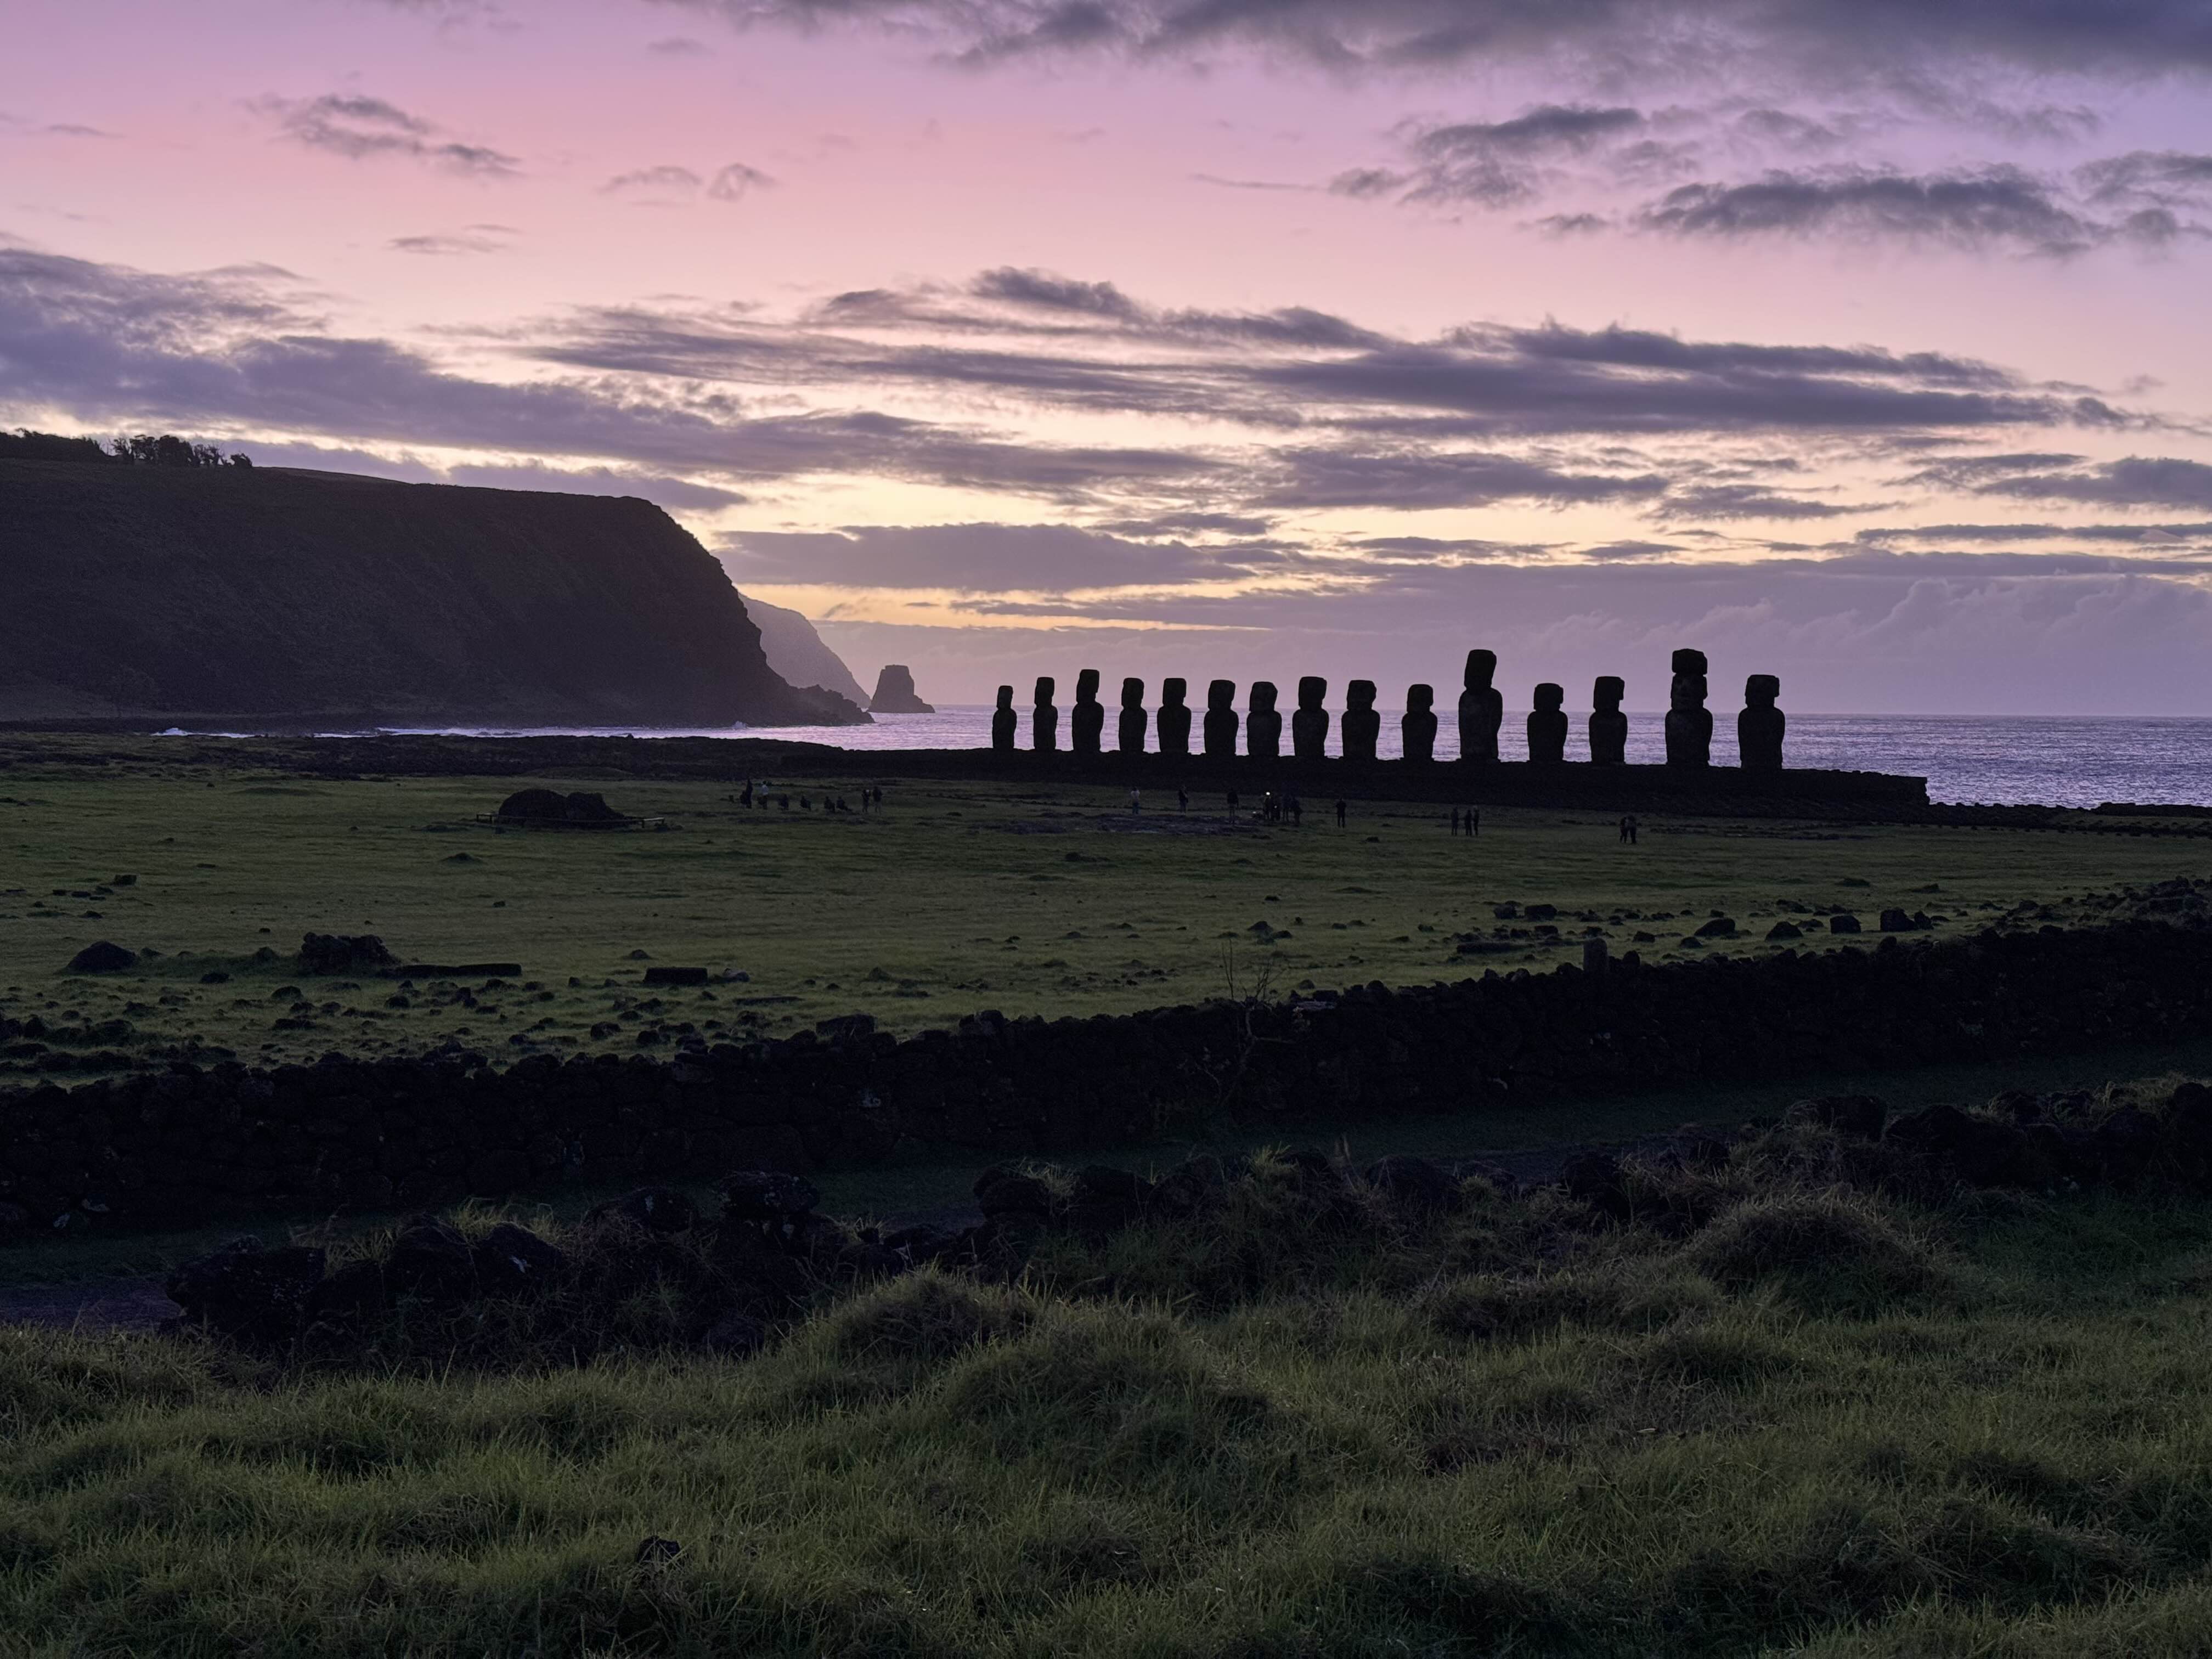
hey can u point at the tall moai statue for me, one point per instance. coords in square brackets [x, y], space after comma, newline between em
[1263, 723]
[1689, 722]
[1044, 719]
[1004, 721]
[1310, 721]
[1132, 730]
[1174, 718]
[1417, 732]
[1362, 727]
[1758, 729]
[1481, 708]
[1220, 726]
[1608, 726]
[1548, 725]
[1086, 724]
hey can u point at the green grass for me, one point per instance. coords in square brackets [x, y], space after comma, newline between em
[1827, 1421]
[958, 897]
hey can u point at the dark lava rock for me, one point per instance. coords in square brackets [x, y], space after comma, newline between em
[765, 1195]
[244, 1289]
[1979, 1152]
[1894, 921]
[1718, 927]
[430, 1260]
[676, 976]
[1102, 1183]
[1414, 1182]
[1862, 1115]
[1843, 923]
[511, 1261]
[342, 953]
[656, 1209]
[1002, 1192]
[103, 957]
[1785, 930]
[350, 1295]
[1597, 1180]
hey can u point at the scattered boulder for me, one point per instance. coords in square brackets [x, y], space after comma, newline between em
[1978, 1151]
[1844, 923]
[1784, 930]
[1003, 1191]
[245, 1290]
[341, 953]
[676, 976]
[656, 1209]
[431, 1259]
[1718, 927]
[765, 1195]
[103, 957]
[512, 1261]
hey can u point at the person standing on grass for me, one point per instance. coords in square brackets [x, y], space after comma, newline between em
[1633, 826]
[1297, 813]
[1454, 828]
[1136, 804]
[1182, 798]
[1339, 815]
[1473, 822]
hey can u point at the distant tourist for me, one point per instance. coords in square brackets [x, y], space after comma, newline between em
[1297, 813]
[1136, 804]
[1182, 798]
[1473, 822]
[1339, 815]
[1454, 828]
[1232, 800]
[1624, 829]
[1633, 826]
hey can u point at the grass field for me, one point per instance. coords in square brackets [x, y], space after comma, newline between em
[1824, 1422]
[952, 898]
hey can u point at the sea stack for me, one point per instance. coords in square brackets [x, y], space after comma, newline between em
[894, 693]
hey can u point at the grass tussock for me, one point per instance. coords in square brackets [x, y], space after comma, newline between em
[1732, 1405]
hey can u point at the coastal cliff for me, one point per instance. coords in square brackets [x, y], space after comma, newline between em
[188, 594]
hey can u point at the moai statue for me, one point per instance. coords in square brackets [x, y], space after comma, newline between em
[1689, 722]
[1132, 733]
[1608, 726]
[1362, 727]
[1086, 724]
[1418, 731]
[1263, 723]
[1548, 725]
[1758, 729]
[1044, 719]
[1174, 718]
[1481, 708]
[1310, 721]
[1220, 728]
[1004, 721]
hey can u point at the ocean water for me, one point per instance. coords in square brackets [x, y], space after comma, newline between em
[2051, 760]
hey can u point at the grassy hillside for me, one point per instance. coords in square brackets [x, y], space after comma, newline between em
[1793, 1403]
[196, 592]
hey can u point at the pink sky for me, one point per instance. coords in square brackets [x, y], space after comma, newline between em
[1860, 345]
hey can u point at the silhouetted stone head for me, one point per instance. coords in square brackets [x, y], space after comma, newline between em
[1133, 694]
[1221, 695]
[1689, 662]
[1006, 698]
[1481, 669]
[1263, 696]
[1551, 698]
[1172, 692]
[1312, 688]
[1086, 685]
[1359, 696]
[1608, 691]
[1420, 699]
[1760, 690]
